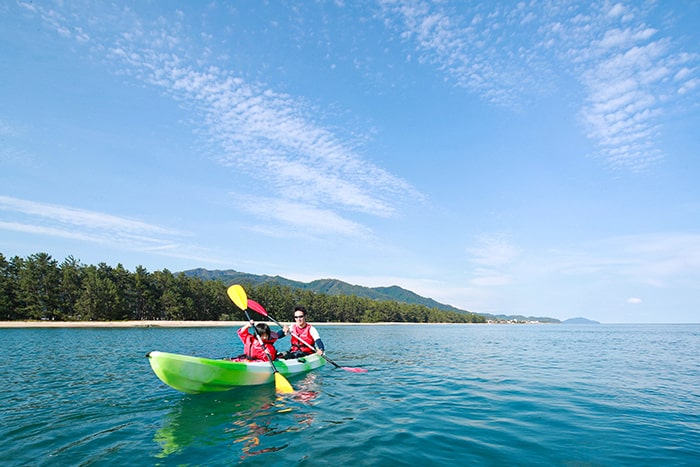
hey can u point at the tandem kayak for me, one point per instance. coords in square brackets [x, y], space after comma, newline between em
[193, 375]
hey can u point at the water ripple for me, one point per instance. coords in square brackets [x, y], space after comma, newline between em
[434, 395]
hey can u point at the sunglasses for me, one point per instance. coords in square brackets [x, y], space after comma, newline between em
[298, 317]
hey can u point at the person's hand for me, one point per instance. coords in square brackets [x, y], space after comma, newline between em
[319, 351]
[285, 329]
[252, 323]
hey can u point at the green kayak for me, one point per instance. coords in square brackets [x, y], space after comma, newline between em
[193, 375]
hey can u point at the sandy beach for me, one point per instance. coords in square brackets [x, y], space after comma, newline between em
[119, 324]
[161, 324]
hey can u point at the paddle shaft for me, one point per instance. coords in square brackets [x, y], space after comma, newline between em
[260, 309]
[238, 296]
[267, 315]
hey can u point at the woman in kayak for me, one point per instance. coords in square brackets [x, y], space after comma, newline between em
[251, 345]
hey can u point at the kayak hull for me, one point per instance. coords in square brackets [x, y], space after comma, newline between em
[194, 375]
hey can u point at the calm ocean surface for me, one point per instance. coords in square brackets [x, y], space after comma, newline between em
[433, 395]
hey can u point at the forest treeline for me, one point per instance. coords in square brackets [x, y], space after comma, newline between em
[38, 287]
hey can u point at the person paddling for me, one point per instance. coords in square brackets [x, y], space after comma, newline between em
[251, 345]
[302, 332]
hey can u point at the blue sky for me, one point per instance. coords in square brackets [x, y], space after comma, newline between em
[535, 157]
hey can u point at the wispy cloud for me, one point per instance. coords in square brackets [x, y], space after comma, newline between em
[492, 257]
[629, 71]
[483, 48]
[628, 75]
[659, 260]
[79, 224]
[656, 260]
[6, 129]
[506, 51]
[288, 218]
[272, 136]
[10, 153]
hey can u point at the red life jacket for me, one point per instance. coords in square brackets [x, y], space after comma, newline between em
[252, 348]
[304, 334]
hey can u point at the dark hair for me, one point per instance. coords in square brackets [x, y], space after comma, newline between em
[300, 308]
[262, 328]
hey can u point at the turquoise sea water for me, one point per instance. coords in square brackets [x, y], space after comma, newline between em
[433, 395]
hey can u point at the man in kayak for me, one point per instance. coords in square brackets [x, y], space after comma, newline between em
[251, 345]
[305, 338]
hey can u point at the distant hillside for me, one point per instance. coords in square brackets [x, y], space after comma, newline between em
[579, 321]
[337, 287]
[324, 286]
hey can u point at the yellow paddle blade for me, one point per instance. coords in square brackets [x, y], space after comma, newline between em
[282, 385]
[238, 296]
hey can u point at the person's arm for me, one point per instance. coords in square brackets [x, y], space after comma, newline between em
[243, 333]
[318, 343]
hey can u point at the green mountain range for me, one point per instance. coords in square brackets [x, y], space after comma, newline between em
[337, 287]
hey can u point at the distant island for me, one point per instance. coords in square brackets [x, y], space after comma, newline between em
[579, 321]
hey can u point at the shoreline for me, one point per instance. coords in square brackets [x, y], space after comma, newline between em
[165, 324]
[118, 324]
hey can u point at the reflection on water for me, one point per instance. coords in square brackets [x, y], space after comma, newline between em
[250, 418]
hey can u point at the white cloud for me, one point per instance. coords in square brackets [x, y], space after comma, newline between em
[472, 47]
[486, 278]
[80, 217]
[297, 218]
[493, 251]
[79, 224]
[48, 231]
[6, 129]
[493, 256]
[654, 260]
[58, 22]
[10, 151]
[503, 52]
[617, 10]
[634, 300]
[272, 136]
